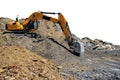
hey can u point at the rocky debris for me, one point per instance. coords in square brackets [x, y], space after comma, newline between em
[97, 44]
[104, 66]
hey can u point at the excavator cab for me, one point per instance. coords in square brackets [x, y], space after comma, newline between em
[14, 26]
[17, 28]
[33, 25]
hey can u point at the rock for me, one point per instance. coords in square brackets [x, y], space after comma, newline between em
[97, 44]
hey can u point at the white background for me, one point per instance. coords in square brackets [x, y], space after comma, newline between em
[87, 18]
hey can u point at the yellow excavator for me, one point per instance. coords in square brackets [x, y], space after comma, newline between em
[31, 23]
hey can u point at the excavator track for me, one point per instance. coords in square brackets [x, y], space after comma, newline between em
[20, 33]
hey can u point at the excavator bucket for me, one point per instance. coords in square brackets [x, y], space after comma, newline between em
[78, 48]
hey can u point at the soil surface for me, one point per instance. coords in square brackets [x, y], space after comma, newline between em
[17, 63]
[101, 60]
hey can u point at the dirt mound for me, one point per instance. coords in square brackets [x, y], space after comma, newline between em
[93, 65]
[17, 63]
[3, 22]
[45, 45]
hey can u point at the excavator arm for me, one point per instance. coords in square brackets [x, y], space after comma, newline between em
[75, 45]
[38, 16]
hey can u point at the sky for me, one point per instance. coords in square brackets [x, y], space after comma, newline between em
[96, 19]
